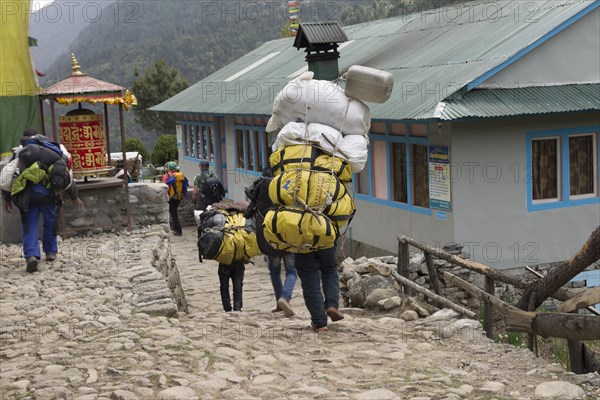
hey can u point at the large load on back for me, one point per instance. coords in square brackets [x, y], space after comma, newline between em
[322, 141]
[226, 236]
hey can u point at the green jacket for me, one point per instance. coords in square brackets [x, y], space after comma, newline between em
[33, 174]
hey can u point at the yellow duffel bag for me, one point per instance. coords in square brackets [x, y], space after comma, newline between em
[341, 211]
[340, 168]
[297, 231]
[313, 188]
[293, 157]
[238, 244]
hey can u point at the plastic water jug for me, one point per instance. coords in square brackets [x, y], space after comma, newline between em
[368, 84]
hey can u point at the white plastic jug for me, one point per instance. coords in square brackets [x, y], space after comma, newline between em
[368, 84]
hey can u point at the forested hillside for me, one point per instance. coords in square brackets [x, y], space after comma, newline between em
[198, 37]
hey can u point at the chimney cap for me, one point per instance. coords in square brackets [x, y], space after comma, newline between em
[319, 33]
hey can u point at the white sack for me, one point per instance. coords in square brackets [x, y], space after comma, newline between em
[352, 148]
[8, 175]
[327, 105]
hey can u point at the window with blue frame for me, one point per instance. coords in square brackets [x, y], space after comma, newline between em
[397, 172]
[562, 168]
[251, 143]
[199, 138]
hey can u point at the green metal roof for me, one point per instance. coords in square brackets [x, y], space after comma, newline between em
[431, 55]
[523, 101]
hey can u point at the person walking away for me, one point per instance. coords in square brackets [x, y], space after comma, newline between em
[235, 273]
[44, 172]
[260, 202]
[283, 291]
[208, 189]
[177, 185]
[315, 269]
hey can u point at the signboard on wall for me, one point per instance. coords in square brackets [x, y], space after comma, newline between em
[439, 178]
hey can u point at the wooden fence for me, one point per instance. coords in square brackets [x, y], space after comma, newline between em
[567, 323]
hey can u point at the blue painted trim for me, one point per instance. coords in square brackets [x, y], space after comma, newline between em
[395, 204]
[534, 45]
[564, 197]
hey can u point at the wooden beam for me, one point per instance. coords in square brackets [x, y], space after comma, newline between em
[517, 281]
[568, 326]
[441, 300]
[563, 273]
[583, 299]
[433, 276]
[403, 265]
[488, 308]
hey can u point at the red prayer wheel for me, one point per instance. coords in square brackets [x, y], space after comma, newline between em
[82, 133]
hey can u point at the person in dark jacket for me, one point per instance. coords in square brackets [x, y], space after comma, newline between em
[35, 199]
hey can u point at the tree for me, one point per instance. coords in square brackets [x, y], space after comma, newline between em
[134, 144]
[165, 150]
[159, 83]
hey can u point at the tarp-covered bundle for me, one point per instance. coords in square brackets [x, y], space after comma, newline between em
[226, 236]
[322, 141]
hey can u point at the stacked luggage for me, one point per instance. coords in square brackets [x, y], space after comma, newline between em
[226, 236]
[322, 141]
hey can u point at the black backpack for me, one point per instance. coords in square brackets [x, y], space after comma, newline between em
[59, 175]
[213, 190]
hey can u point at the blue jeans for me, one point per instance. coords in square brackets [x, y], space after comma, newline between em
[314, 269]
[30, 230]
[282, 289]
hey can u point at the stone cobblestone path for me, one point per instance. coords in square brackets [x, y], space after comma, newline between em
[92, 325]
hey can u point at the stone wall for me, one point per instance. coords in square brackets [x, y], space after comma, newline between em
[106, 206]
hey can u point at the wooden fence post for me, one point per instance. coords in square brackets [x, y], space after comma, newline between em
[488, 308]
[531, 307]
[433, 276]
[403, 263]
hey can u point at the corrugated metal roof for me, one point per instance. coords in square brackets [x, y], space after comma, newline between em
[431, 56]
[319, 33]
[522, 101]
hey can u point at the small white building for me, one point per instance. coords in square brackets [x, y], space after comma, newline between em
[490, 138]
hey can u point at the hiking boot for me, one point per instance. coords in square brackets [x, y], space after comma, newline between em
[319, 329]
[32, 264]
[334, 314]
[285, 306]
[50, 256]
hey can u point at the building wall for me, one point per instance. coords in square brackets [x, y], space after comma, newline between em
[490, 195]
[378, 225]
[572, 56]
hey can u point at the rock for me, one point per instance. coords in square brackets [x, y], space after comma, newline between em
[493, 387]
[377, 295]
[392, 302]
[379, 269]
[559, 390]
[409, 315]
[445, 313]
[177, 393]
[379, 394]
[413, 304]
[123, 395]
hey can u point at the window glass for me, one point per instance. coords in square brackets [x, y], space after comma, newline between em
[239, 148]
[397, 129]
[249, 153]
[379, 170]
[545, 169]
[399, 185]
[420, 175]
[418, 130]
[581, 165]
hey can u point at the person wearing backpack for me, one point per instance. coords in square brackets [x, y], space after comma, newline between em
[208, 189]
[43, 174]
[177, 185]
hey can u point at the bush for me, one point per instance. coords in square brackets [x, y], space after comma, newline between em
[165, 150]
[133, 144]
